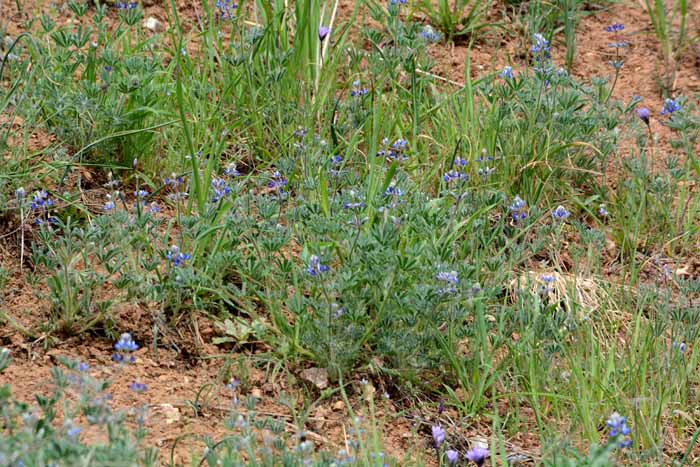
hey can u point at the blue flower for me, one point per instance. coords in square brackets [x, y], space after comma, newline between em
[41, 201]
[138, 387]
[680, 346]
[315, 267]
[393, 191]
[670, 106]
[453, 175]
[278, 182]
[153, 208]
[644, 114]
[448, 276]
[141, 194]
[323, 32]
[397, 2]
[126, 343]
[430, 35]
[176, 256]
[541, 45]
[231, 170]
[221, 189]
[507, 73]
[560, 213]
[83, 367]
[353, 206]
[518, 209]
[358, 90]
[478, 455]
[438, 435]
[618, 431]
[126, 6]
[174, 181]
[227, 9]
[452, 457]
[615, 27]
[109, 204]
[20, 193]
[602, 211]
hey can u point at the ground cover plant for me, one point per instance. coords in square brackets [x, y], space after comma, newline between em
[359, 257]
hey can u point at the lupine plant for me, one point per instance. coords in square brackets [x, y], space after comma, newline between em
[339, 207]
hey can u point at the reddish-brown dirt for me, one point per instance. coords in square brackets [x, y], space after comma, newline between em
[173, 380]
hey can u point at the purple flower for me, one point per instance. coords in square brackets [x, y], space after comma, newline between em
[602, 211]
[126, 343]
[323, 32]
[643, 113]
[670, 106]
[221, 189]
[358, 90]
[560, 213]
[615, 27]
[227, 9]
[448, 276]
[231, 170]
[452, 457]
[478, 455]
[83, 367]
[438, 436]
[618, 430]
[176, 256]
[315, 267]
[138, 387]
[507, 73]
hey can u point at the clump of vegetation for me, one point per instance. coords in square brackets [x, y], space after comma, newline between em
[353, 213]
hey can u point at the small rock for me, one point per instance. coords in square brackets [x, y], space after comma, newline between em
[257, 393]
[316, 376]
[167, 412]
[153, 24]
[339, 405]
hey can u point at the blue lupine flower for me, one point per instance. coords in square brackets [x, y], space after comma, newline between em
[278, 182]
[176, 256]
[438, 435]
[680, 346]
[41, 201]
[126, 343]
[560, 213]
[541, 45]
[231, 170]
[83, 367]
[227, 9]
[670, 106]
[453, 175]
[618, 430]
[478, 455]
[353, 206]
[397, 2]
[615, 27]
[547, 278]
[126, 6]
[644, 114]
[109, 204]
[315, 267]
[20, 193]
[357, 89]
[154, 208]
[602, 211]
[507, 72]
[138, 387]
[393, 191]
[221, 189]
[141, 194]
[518, 209]
[430, 35]
[450, 277]
[174, 181]
[323, 32]
[452, 457]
